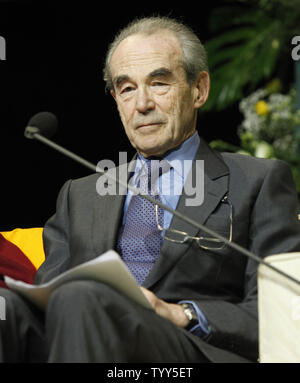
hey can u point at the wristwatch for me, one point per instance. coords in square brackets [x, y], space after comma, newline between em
[191, 314]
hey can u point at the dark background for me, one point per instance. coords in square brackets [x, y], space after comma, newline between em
[55, 53]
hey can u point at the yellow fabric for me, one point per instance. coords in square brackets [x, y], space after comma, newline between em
[30, 242]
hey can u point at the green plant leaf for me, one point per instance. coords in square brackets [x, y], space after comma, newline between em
[239, 58]
[223, 146]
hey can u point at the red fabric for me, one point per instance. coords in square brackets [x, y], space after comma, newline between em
[14, 263]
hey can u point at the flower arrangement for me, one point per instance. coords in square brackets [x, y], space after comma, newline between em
[270, 128]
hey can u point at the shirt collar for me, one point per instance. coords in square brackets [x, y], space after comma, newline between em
[186, 151]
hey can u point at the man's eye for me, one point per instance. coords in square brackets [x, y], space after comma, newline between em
[127, 89]
[159, 84]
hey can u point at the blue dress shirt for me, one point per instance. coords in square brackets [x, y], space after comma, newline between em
[170, 185]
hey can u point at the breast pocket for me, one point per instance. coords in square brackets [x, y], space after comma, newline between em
[221, 218]
[221, 224]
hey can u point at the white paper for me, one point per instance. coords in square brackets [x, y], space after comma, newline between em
[107, 268]
[279, 310]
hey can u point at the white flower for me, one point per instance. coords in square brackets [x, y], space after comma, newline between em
[276, 124]
[264, 150]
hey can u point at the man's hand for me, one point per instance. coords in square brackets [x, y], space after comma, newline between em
[172, 311]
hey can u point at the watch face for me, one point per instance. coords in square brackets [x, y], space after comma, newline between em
[191, 314]
[188, 313]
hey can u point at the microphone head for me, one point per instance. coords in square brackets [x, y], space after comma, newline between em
[44, 123]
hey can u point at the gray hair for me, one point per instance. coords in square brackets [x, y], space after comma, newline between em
[194, 59]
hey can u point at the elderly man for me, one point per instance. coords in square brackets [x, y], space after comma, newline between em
[204, 294]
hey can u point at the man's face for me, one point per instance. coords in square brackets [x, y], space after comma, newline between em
[158, 108]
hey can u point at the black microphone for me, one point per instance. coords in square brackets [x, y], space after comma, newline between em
[47, 122]
[44, 123]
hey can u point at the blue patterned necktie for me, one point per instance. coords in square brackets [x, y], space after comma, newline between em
[139, 239]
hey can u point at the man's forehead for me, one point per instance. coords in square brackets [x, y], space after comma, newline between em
[157, 50]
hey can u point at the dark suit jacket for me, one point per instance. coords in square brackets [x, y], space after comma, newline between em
[223, 283]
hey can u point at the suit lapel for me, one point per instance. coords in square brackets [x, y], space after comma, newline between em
[108, 212]
[216, 175]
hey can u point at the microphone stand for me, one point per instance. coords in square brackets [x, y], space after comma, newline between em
[32, 132]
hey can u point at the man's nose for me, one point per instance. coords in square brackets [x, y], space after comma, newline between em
[144, 101]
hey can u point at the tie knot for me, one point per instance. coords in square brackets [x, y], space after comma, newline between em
[154, 169]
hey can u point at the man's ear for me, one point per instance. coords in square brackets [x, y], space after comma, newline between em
[201, 89]
[113, 94]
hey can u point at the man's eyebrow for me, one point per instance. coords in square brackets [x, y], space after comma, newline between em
[119, 79]
[160, 72]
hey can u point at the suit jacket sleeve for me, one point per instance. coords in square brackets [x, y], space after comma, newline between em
[274, 229]
[56, 240]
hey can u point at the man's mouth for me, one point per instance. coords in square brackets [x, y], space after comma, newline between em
[148, 125]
